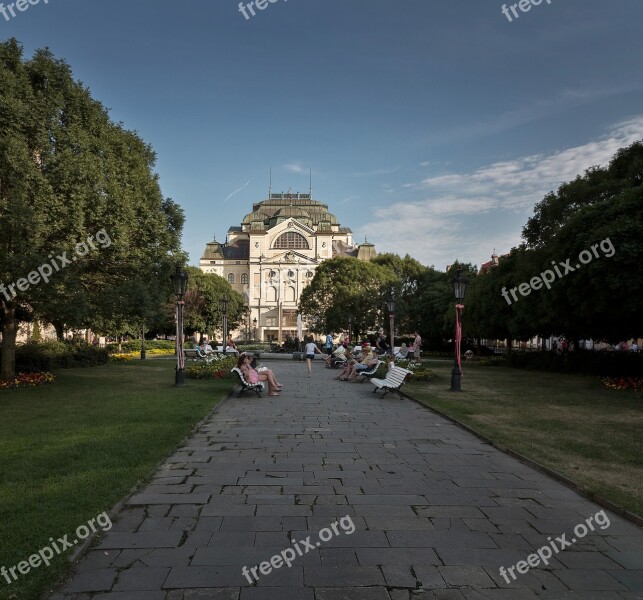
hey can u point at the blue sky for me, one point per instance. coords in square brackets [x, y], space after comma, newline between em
[430, 126]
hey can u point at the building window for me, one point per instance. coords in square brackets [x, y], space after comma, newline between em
[244, 278]
[291, 240]
[231, 278]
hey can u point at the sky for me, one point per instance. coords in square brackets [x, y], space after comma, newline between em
[432, 127]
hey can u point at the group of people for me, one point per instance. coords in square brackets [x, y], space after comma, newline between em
[204, 349]
[360, 359]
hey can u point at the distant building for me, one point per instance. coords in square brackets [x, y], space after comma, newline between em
[272, 256]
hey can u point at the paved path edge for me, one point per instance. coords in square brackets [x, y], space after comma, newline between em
[570, 483]
[144, 481]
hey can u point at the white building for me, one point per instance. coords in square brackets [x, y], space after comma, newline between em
[273, 256]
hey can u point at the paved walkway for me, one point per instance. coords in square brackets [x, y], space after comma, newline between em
[436, 512]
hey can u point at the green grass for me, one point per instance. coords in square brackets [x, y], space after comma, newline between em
[71, 450]
[568, 423]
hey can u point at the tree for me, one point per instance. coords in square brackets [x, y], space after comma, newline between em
[603, 298]
[77, 186]
[203, 302]
[343, 286]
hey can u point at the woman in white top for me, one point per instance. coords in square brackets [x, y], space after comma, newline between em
[311, 350]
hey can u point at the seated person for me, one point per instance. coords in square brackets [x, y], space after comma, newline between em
[337, 355]
[403, 352]
[381, 344]
[364, 365]
[252, 376]
[201, 351]
[208, 348]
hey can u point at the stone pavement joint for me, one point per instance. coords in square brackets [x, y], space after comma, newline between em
[436, 511]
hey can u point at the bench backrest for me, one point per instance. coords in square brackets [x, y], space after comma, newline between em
[396, 376]
[372, 369]
[239, 372]
[189, 352]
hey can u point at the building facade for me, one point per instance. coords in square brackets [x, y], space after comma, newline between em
[272, 256]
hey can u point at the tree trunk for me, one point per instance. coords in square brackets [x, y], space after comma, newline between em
[9, 334]
[509, 345]
[60, 330]
[543, 344]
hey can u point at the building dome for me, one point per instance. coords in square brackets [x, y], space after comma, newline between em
[290, 212]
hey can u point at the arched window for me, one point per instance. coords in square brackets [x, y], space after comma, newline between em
[291, 240]
[290, 294]
[244, 278]
[271, 294]
[231, 278]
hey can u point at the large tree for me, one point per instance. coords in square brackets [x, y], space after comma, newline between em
[203, 302]
[74, 182]
[346, 286]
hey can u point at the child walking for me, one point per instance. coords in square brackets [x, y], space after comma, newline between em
[311, 350]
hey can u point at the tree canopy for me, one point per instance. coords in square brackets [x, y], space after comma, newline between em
[67, 172]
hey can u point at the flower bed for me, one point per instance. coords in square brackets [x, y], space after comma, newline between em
[219, 368]
[418, 372]
[623, 383]
[27, 380]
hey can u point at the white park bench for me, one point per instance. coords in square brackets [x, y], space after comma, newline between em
[369, 373]
[392, 382]
[246, 386]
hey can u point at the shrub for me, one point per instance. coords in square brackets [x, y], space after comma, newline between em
[150, 345]
[610, 364]
[54, 354]
[219, 368]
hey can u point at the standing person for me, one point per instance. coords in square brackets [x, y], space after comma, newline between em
[230, 343]
[329, 343]
[417, 346]
[311, 350]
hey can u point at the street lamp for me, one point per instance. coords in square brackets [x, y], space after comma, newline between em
[350, 328]
[390, 304]
[254, 326]
[459, 288]
[180, 283]
[224, 312]
[143, 340]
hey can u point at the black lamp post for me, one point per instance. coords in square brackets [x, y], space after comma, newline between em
[143, 341]
[350, 328]
[254, 329]
[224, 312]
[459, 288]
[390, 304]
[180, 283]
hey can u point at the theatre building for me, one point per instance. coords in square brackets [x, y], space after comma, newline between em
[272, 256]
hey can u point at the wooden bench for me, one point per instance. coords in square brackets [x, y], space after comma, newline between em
[369, 373]
[246, 386]
[392, 382]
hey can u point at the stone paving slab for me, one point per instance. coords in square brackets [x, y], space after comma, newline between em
[367, 497]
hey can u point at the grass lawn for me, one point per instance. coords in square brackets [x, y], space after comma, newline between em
[568, 423]
[71, 450]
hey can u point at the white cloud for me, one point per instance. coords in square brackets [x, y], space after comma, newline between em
[295, 167]
[466, 215]
[237, 191]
